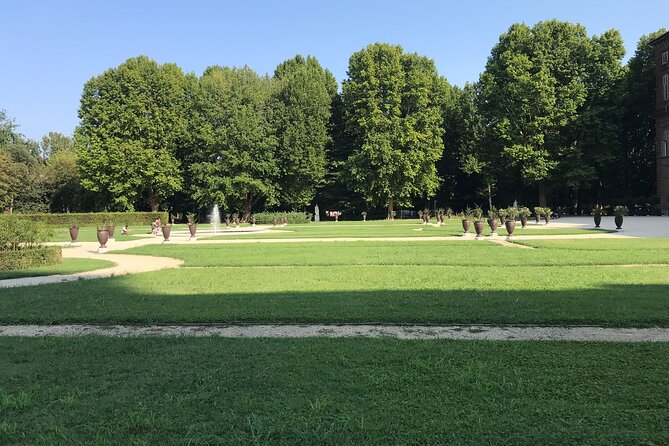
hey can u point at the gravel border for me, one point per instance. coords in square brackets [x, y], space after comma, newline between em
[457, 332]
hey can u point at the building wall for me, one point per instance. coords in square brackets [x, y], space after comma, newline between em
[661, 123]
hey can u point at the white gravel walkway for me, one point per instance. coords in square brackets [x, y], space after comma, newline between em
[456, 332]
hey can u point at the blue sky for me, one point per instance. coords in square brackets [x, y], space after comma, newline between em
[51, 48]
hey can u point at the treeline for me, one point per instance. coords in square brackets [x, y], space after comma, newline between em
[555, 119]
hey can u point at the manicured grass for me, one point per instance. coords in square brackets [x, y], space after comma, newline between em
[457, 253]
[325, 391]
[397, 228]
[89, 234]
[374, 293]
[69, 266]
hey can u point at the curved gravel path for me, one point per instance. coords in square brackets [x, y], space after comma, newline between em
[456, 332]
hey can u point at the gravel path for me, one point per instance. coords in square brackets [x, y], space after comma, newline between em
[458, 332]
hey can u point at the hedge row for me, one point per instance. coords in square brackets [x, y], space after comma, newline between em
[265, 218]
[97, 218]
[30, 257]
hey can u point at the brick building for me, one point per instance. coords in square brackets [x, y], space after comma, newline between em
[661, 54]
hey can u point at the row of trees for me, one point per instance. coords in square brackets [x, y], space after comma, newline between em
[554, 117]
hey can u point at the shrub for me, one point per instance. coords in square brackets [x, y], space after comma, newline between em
[17, 232]
[95, 218]
[33, 257]
[265, 218]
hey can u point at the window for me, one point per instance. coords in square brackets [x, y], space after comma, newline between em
[665, 58]
[665, 87]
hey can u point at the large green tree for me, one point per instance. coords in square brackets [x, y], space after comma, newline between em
[234, 161]
[635, 164]
[131, 119]
[539, 92]
[303, 95]
[392, 110]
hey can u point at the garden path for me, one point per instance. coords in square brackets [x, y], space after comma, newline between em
[458, 332]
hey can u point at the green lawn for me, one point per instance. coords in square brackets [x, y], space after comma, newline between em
[89, 234]
[356, 282]
[68, 266]
[397, 228]
[317, 391]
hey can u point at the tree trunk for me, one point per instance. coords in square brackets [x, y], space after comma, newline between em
[391, 208]
[542, 195]
[489, 195]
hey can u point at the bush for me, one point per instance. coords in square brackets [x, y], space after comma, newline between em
[96, 218]
[25, 257]
[265, 218]
[17, 232]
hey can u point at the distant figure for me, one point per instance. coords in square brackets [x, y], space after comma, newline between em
[125, 230]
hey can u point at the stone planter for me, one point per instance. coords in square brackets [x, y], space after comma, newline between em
[466, 226]
[536, 218]
[510, 227]
[619, 222]
[478, 227]
[111, 229]
[167, 229]
[523, 221]
[598, 220]
[74, 234]
[547, 218]
[192, 229]
[103, 238]
[493, 222]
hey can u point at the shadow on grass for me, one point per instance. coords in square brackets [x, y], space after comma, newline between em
[116, 301]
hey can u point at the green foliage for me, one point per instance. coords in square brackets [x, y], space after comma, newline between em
[524, 212]
[544, 91]
[265, 218]
[234, 162]
[303, 94]
[131, 119]
[477, 212]
[97, 218]
[598, 210]
[510, 213]
[392, 110]
[32, 257]
[17, 232]
[620, 211]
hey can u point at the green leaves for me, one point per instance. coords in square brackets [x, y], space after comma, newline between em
[392, 110]
[131, 119]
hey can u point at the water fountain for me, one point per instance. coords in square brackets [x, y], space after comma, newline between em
[215, 218]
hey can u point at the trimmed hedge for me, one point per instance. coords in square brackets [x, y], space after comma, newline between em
[265, 218]
[97, 218]
[23, 258]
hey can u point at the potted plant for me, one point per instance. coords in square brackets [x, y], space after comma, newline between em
[110, 229]
[235, 220]
[253, 220]
[537, 213]
[440, 216]
[103, 237]
[227, 220]
[620, 212]
[597, 213]
[478, 222]
[510, 223]
[74, 231]
[420, 215]
[192, 225]
[466, 221]
[493, 221]
[524, 213]
[449, 213]
[364, 215]
[167, 229]
[547, 214]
